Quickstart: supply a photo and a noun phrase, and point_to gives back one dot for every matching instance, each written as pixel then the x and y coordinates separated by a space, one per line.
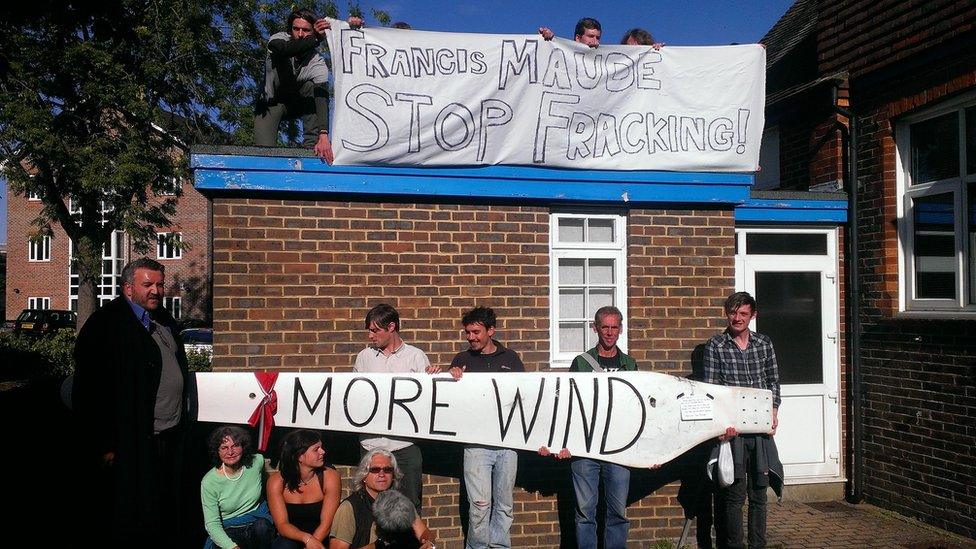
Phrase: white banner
pixel 409 97
pixel 636 419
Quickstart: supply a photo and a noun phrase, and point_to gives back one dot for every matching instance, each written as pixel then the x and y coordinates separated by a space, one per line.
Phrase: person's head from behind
pixel 403 25
pixel 230 446
pixel 637 37
pixel 377 472
pixel 382 325
pixel 740 309
pixel 394 515
pixel 588 31
pixel 300 449
pixel 479 327
pixel 143 282
pixel 301 23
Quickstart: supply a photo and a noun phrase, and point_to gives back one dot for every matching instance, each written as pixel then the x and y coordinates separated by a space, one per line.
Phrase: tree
pixel 101 101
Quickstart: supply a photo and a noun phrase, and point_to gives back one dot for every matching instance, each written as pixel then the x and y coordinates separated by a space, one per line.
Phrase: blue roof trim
pixel 792 211
pixel 236 173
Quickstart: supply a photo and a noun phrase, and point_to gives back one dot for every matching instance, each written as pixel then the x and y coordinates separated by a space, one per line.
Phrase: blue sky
pixel 688 23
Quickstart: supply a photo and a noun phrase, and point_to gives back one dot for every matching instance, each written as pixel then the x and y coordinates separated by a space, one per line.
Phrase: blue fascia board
pixel 792 211
pixel 236 173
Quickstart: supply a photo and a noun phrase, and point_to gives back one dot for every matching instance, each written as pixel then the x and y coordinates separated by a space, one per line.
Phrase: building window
pixel 38 302
pixel 174 305
pixel 34 196
pixel 113 259
pixel 937 211
pixel 168 246
pixel 170 186
pixel 588 266
pixel 39 248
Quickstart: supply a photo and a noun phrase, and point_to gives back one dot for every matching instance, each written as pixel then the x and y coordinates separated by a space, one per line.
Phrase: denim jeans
pixel 734 497
pixel 257 534
pixel 587 474
pixel 489 477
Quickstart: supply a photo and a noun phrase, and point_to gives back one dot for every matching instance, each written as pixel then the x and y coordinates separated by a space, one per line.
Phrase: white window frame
pixel 113 252
pixel 164 250
pixel 957 186
pixel 39 252
pixel 174 304
pixel 33 196
pixel 585 250
pixel 38 302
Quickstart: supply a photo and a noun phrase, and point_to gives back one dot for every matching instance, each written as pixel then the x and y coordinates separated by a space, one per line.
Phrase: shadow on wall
pixel 195 292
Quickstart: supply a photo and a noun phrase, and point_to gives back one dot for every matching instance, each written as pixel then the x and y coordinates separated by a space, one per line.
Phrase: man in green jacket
pixel 587 473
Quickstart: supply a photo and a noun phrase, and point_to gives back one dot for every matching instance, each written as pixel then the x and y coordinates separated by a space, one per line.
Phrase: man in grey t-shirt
pixel 387 353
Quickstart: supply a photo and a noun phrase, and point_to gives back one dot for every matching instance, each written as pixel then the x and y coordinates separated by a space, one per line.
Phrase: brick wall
pixel 294 279
pixel 188 277
pixel 919 375
pixel 864 35
pixel 26 278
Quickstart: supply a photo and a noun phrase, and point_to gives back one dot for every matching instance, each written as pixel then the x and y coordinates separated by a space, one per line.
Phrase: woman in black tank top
pixel 304 494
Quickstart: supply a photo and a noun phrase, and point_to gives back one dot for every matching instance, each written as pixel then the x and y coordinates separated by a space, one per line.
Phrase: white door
pixel 793 275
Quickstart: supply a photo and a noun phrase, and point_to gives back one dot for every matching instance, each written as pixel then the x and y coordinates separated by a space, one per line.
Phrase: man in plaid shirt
pixel 742 358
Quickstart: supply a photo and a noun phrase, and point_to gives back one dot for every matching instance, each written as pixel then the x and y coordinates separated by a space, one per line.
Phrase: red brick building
pixel 39 272
pixel 883 93
pixel 302 250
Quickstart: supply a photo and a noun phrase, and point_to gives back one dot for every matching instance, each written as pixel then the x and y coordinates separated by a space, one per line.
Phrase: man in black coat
pixel 130 395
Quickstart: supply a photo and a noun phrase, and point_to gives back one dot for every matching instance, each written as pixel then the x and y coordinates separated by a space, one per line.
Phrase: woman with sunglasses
pixel 304 494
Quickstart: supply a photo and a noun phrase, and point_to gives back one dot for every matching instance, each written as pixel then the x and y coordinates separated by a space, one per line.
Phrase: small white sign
pixel 696 408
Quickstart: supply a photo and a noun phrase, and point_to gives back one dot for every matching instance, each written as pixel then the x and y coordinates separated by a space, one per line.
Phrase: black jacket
pixel 117 372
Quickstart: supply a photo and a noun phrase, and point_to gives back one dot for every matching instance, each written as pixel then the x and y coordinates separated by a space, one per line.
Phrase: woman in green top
pixel 234 511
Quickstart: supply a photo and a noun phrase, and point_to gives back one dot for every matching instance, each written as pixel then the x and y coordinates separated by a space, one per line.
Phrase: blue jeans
pixel 489 477
pixel 587 474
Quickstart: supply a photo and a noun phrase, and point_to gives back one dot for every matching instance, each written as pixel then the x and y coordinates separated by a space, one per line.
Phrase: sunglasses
pixel 378 470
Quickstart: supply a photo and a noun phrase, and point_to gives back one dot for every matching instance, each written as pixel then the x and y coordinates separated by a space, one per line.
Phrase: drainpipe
pixel 853 301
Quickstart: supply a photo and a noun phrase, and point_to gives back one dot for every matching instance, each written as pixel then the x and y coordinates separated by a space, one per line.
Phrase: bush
pixel 199 361
pixel 38 357
pixel 52 356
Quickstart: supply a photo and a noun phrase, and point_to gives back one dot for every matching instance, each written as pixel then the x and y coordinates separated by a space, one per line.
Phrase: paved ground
pixel 838 524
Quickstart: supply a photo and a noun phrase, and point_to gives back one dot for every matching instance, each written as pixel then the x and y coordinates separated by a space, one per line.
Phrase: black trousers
pixel 734 497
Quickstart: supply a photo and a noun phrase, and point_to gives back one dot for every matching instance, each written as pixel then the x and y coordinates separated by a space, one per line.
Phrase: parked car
pixel 44 321
pixel 198 339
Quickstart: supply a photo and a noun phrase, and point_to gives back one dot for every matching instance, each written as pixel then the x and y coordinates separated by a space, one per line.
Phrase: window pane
pixel 935 148
pixel 570 230
pixel 571 336
pixel 571 303
pixel 935 247
pixel 971 140
pixel 791 318
pixel 599 297
pixel 972 241
pixel 570 271
pixel 786 244
pixel 601 271
pixel 600 230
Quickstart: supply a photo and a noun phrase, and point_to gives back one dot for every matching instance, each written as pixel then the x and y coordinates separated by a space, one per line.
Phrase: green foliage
pixel 199 361
pixel 27 356
pixel 100 101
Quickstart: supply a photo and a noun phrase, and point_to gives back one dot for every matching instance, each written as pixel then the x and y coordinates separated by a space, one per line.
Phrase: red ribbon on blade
pixel 264 413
